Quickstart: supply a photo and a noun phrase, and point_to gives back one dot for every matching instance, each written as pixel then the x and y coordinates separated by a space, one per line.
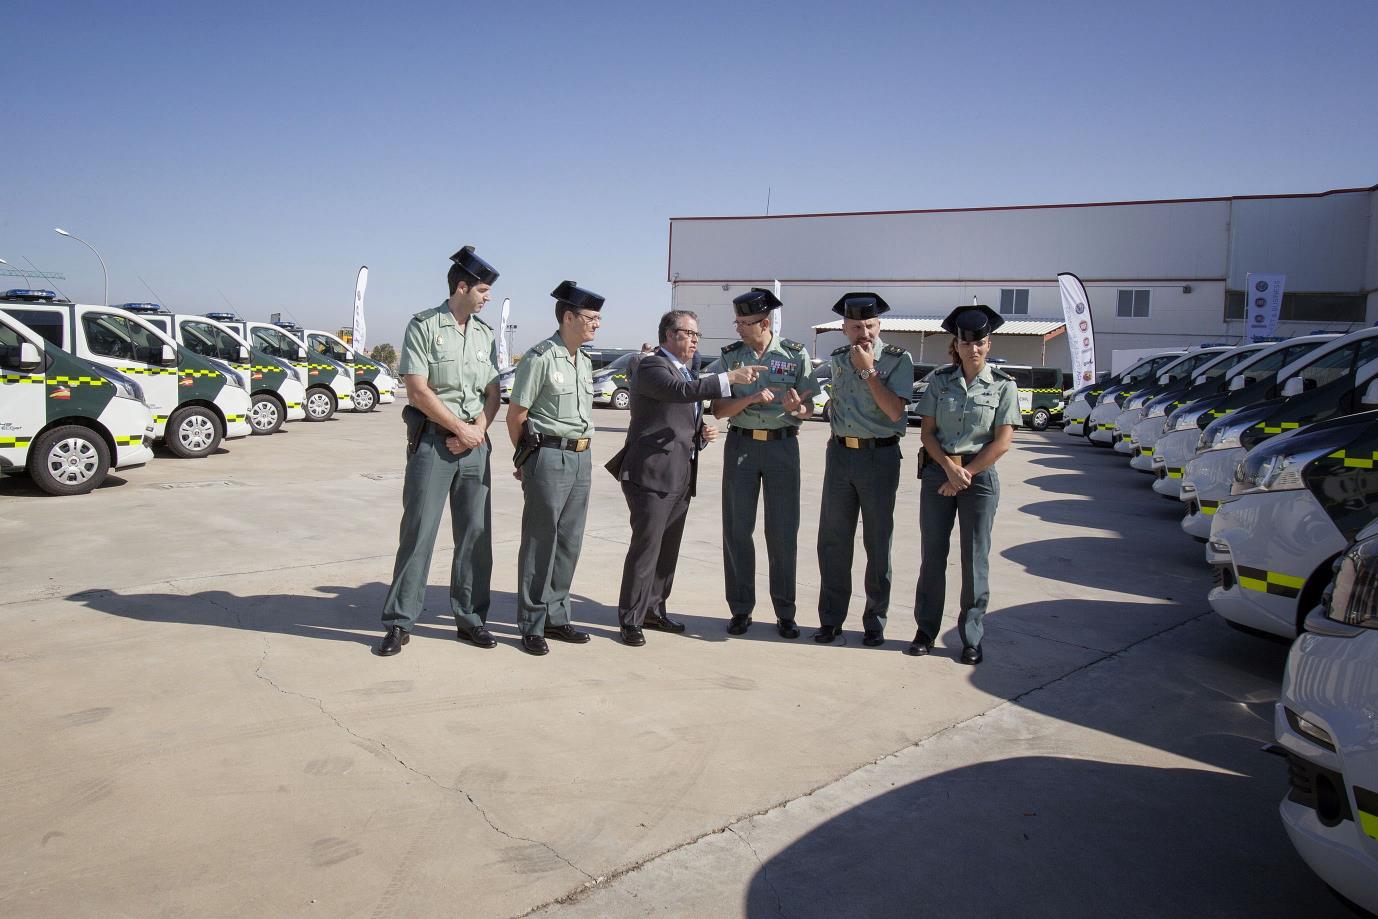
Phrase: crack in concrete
pixel 378 744
pixel 606 880
pixel 765 871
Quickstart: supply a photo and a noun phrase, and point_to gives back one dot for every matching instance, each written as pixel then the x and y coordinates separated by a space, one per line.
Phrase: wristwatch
pixel 866 374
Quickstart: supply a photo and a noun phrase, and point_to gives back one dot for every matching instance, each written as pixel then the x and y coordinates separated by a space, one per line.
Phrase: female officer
pixel 969 412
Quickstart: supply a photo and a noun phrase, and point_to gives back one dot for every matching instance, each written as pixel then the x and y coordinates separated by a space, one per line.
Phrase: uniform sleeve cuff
pixel 725 386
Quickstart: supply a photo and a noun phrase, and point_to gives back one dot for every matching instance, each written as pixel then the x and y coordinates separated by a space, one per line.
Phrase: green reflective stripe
pixel 17 378
pixel 1269 582
pixel 1357 461
pixel 15 441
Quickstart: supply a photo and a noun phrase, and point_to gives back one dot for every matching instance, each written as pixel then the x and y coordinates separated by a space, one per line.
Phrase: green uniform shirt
pixel 968 415
pixel 458 364
pixel 787 367
pixel 851 406
pixel 556 388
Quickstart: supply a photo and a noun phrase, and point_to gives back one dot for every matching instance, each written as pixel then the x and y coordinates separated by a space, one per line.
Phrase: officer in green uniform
pixel 762 450
pixel 969 412
pixel 449 364
pixel 550 421
pixel 871 384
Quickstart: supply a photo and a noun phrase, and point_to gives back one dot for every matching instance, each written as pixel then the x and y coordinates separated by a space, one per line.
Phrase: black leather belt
pixel 431 426
pixel 862 443
pixel 762 434
pixel 577 444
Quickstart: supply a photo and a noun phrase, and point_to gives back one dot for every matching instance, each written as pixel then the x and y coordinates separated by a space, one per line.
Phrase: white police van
pixel 196 401
pixel 1298 500
pixel 328 385
pixel 1205 381
pixel 373 385
pixel 65 421
pixel 1209 475
pixel 1172 375
pixel 1323 722
pixel 1182 431
pixel 276 395
pixel 1082 402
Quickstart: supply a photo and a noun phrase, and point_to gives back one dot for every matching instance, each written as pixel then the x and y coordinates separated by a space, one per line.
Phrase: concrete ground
pixel 196 725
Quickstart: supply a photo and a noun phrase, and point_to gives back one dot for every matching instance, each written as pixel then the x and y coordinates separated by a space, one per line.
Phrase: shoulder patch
pixel 732 347
pixel 946 368
pixel 1000 374
pixel 790 344
pixel 842 350
pixel 895 350
pixel 423 315
pixel 541 347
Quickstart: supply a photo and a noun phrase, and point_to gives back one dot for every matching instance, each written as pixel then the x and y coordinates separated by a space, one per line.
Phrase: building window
pixel 1305 307
pixel 1014 301
pixel 1133 304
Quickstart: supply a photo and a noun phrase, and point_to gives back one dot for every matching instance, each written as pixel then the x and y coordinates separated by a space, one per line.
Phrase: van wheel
pixel 622 400
pixel 192 432
pixel 69 460
pixel 320 404
pixel 265 415
pixel 365 399
pixel 1041 419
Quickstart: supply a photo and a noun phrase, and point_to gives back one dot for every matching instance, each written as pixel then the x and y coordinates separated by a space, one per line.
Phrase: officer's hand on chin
pixel 863 357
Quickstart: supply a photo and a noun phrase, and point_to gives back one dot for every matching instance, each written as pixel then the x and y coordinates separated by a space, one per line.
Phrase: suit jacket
pixel 662 444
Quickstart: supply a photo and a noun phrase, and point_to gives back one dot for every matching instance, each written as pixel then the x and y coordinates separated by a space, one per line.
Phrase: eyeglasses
pixel 690 332
pixel 747 323
pixel 590 318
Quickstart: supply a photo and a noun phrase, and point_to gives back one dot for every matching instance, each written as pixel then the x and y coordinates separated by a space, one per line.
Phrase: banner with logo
pixel 1262 304
pixel 504 358
pixel 360 329
pixel 1081 335
pixel 777 318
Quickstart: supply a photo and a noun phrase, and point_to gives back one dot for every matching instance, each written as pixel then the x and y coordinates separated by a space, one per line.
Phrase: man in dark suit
pixel 658 467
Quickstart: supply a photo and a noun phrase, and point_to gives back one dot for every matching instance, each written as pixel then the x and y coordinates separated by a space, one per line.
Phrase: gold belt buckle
pixel 581 445
pixel 760 434
pixel 852 442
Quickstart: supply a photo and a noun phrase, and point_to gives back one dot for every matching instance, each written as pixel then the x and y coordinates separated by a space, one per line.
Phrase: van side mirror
pixel 1238 383
pixel 1293 387
pixel 349 356
pixel 1371 394
pixel 243 355
pixel 169 356
pixel 301 354
pixel 29 358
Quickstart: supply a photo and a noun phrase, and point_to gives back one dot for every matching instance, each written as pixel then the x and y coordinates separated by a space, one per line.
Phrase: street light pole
pixel 103 271
pixel 18 269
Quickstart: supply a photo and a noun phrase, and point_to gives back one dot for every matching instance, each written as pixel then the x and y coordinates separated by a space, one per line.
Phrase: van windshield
pixel 121 338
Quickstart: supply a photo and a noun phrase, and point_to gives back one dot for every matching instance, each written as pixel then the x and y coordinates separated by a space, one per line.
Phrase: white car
pixel 1324 722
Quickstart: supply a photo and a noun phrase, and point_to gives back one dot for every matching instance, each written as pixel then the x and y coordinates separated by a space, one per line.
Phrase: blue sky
pixel 265 151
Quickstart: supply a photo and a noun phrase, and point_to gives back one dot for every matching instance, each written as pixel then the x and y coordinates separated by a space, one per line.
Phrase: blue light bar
pixel 22 294
pixel 141 307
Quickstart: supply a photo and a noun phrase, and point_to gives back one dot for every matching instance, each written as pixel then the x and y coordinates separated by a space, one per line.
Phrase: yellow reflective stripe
pixel 234 418
pixel 78 381
pixel 149 371
pixel 15 441
pixel 1369 823
pixel 1174 473
pixel 18 378
pixel 130 441
pixel 1355 462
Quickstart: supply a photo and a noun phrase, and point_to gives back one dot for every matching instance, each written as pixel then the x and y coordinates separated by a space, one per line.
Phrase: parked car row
pixel 1272 451
pixel 84 389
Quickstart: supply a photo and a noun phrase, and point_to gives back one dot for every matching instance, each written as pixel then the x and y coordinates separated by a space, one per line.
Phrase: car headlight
pixel 1157 410
pixel 1269 470
pixel 125 387
pixel 1223 436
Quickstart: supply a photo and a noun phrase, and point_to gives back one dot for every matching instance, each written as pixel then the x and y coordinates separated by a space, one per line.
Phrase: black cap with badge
pixel 470 269
pixel 972 323
pixel 860 305
pixel 570 293
pixel 755 302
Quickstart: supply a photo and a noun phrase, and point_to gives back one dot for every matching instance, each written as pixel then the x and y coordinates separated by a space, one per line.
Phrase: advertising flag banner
pixel 504 358
pixel 1081 335
pixel 1263 304
pixel 360 329
pixel 778 314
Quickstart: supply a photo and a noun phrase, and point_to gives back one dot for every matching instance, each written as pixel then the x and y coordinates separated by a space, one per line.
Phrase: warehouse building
pixel 1159 273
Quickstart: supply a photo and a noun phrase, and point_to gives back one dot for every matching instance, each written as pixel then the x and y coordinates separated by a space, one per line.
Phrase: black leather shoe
pixel 479 638
pixel 535 644
pixel 631 635
pixel 920 646
pixel 662 624
pixel 566 633
pixel 787 628
pixel 828 634
pixel 393 641
pixel 739 625
pixel 874 638
pixel 972 656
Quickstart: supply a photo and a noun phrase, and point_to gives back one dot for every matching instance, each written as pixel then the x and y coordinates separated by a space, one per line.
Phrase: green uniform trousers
pixel 974 508
pixel 433 475
pixel 748 465
pixel 556 485
pixel 857 481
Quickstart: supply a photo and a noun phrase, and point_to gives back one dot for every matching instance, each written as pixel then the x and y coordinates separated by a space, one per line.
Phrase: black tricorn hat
pixel 570 292
pixel 755 302
pixel 475 269
pixel 860 305
pixel 973 322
